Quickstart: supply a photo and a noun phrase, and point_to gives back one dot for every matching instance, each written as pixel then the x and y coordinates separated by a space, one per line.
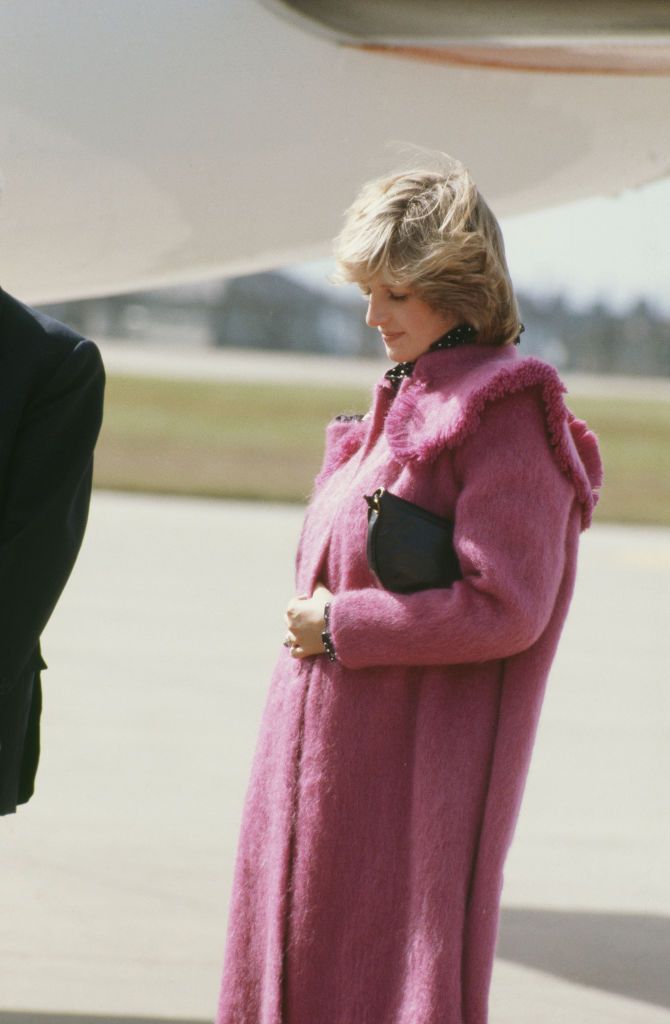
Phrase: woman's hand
pixel 304 618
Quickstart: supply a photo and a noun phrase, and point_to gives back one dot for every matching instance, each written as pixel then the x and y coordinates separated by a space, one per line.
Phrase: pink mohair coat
pixel 386 785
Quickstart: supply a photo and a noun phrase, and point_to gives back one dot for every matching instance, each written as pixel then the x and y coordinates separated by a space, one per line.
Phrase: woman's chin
pixel 394 352
pixel 403 353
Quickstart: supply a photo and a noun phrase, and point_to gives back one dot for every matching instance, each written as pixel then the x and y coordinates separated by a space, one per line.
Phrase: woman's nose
pixel 376 313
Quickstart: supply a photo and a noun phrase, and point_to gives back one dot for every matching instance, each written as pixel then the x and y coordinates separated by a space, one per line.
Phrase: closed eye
pixel 393 295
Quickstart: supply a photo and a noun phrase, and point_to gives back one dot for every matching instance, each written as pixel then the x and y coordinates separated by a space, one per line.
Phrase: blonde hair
pixel 432 231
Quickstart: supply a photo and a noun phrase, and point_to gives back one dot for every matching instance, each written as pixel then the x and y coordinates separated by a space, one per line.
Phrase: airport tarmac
pixel 115 877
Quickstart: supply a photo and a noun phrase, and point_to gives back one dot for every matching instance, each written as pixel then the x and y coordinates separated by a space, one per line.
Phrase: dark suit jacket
pixel 51 394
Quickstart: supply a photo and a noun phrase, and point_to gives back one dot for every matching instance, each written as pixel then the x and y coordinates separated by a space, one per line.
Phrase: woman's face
pixel 407 324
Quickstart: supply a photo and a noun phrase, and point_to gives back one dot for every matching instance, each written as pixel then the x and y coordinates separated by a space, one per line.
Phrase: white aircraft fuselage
pixel 147 144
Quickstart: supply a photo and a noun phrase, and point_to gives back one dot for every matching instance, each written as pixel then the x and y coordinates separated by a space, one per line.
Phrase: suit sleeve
pixel 511 521
pixel 46 499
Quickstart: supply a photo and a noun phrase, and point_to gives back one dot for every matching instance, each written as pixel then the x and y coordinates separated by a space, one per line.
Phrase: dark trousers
pixel 19 741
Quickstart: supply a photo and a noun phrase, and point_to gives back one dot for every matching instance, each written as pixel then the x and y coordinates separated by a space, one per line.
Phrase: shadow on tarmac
pixel 626 954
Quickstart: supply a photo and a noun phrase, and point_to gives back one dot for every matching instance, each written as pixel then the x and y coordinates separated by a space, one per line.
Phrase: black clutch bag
pixel 409 548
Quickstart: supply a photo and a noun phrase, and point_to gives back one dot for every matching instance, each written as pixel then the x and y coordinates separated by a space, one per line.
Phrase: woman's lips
pixel 391 337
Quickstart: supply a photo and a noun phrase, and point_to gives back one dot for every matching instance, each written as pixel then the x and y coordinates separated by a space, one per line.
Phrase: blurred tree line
pixel 274 310
pixel 595 339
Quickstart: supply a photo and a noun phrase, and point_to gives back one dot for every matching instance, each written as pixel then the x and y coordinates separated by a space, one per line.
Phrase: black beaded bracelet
pixel 326 638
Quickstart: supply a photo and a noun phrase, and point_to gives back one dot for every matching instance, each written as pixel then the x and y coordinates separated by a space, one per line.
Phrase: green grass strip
pixel 265 441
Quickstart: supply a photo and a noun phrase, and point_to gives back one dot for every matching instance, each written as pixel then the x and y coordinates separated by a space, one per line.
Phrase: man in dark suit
pixel 51 393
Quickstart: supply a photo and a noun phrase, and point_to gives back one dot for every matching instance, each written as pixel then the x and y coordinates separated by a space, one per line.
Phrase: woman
pixel 399 727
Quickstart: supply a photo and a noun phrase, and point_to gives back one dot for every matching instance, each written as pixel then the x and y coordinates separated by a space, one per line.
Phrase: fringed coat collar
pixel 441 404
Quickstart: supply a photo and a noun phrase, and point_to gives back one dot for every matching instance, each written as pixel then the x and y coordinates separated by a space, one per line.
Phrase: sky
pixel 614 250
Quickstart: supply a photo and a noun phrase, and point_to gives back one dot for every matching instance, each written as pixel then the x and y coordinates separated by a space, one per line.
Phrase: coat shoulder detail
pixel 344 436
pixel 440 409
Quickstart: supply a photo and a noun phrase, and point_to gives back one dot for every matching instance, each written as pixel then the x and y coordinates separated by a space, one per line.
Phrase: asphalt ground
pixel 115 877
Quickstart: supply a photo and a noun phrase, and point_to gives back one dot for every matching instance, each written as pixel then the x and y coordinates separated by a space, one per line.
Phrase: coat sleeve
pixel 45 502
pixel 511 520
